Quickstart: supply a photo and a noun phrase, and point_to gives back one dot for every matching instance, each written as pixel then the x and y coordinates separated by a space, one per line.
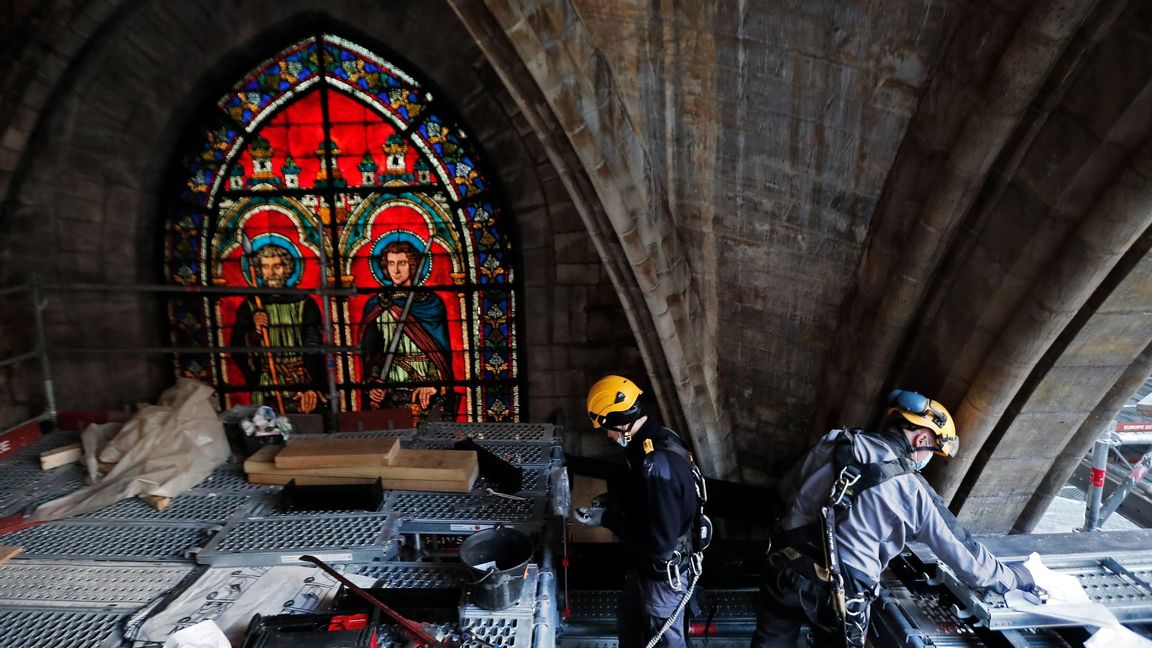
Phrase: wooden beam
pixel 329 453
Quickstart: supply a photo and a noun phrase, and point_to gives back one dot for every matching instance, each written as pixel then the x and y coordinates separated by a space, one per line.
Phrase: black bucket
pixel 498 560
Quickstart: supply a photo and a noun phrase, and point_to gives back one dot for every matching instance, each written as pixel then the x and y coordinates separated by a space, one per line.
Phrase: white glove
pixel 589 516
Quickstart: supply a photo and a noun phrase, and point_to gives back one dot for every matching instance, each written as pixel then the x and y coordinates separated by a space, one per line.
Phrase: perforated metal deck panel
pixel 60 629
pixel 465 512
pixel 90 539
pixel 532 480
pixel 413 574
pixel 193 507
pixel 605 641
pixel 1123 586
pixel 125 585
pixel 517 454
pixel 228 477
pixel 440 431
pixel 282 540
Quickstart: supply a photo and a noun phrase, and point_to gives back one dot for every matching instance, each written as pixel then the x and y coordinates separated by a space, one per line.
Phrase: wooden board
pixel 329 453
pixel 67 454
pixel 435 470
pixel 8 552
pixel 438 486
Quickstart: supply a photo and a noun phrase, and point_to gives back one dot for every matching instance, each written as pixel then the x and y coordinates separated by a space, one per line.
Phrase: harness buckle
pixel 672 572
pixel 846 480
pixel 696 562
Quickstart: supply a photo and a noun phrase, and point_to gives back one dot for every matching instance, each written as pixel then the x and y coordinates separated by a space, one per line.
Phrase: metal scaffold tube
pixel 1096 483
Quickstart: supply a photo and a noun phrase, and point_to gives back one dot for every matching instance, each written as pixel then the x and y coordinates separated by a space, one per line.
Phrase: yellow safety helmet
pixel 924 412
pixel 613 401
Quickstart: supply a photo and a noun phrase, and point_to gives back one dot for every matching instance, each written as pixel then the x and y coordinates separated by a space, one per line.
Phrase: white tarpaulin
pixel 164 450
pixel 1069 602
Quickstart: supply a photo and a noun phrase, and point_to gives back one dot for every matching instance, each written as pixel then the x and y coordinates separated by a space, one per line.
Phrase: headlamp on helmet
pixel 924 412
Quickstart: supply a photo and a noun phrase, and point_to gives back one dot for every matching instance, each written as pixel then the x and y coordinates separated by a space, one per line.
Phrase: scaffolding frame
pixel 42 351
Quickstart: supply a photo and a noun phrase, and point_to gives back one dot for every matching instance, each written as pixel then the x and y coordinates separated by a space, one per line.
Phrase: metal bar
pixel 12 289
pixel 19 358
pixel 197 290
pixel 1135 476
pixel 204 349
pixel 42 346
pixel 1120 570
pixel 1096 484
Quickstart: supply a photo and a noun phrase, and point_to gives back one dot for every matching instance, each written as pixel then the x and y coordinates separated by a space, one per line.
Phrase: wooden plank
pixel 157 502
pixel 430 465
pixel 65 454
pixel 328 453
pixel 8 552
pixel 439 486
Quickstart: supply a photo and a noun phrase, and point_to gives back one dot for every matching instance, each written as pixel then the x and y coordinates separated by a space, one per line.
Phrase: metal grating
pixel 488 431
pixel 461 512
pixel 397 574
pixel 403 433
pixel 593 604
pixel 24 582
pixel 65 478
pixel 282 540
pixel 731 604
pixel 56 629
pixel 19 475
pixel 120 541
pixel 227 477
pixel 571 641
pixel 12 500
pixel 1125 589
pixel 504 632
pixel 186 507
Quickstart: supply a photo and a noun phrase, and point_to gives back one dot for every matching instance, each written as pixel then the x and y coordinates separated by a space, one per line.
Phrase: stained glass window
pixel 341 241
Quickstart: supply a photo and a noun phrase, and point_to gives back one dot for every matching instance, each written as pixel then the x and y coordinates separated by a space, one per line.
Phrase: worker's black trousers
pixel 788 599
pixel 645 604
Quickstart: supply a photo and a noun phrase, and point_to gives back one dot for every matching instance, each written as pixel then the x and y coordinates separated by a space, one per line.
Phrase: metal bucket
pixel 498 560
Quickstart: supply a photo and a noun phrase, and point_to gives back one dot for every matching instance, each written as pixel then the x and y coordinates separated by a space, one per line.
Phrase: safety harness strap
pixel 853 478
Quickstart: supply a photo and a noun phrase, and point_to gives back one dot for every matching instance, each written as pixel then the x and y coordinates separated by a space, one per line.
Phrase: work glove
pixel 1024 580
pixel 604 501
pixel 591 517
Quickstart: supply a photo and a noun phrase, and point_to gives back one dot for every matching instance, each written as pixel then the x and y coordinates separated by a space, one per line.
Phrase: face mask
pixel 919 465
pixel 622 441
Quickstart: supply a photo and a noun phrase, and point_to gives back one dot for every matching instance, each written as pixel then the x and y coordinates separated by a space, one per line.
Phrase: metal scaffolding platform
pixel 80 580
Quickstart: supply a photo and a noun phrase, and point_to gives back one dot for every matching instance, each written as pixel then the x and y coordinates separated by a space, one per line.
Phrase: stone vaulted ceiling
pixel 790 207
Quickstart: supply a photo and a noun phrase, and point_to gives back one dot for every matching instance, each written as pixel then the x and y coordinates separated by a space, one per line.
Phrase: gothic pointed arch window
pixel 343 246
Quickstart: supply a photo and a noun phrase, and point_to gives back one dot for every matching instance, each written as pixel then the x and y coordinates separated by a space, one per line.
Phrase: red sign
pixel 20 438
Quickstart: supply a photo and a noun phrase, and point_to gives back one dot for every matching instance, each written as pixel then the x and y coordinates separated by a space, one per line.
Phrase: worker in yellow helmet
pixel 851 504
pixel 658 515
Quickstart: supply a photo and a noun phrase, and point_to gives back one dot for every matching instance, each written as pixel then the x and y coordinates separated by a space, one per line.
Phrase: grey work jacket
pixel 882 519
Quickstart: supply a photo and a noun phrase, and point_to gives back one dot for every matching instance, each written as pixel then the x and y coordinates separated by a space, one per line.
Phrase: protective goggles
pixel 913 403
pixel 614 419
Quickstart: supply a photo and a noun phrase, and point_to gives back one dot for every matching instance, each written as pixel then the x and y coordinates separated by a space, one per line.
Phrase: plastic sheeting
pixel 163 450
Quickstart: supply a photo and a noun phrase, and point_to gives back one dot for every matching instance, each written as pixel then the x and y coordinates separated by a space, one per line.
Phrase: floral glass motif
pixel 333 175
